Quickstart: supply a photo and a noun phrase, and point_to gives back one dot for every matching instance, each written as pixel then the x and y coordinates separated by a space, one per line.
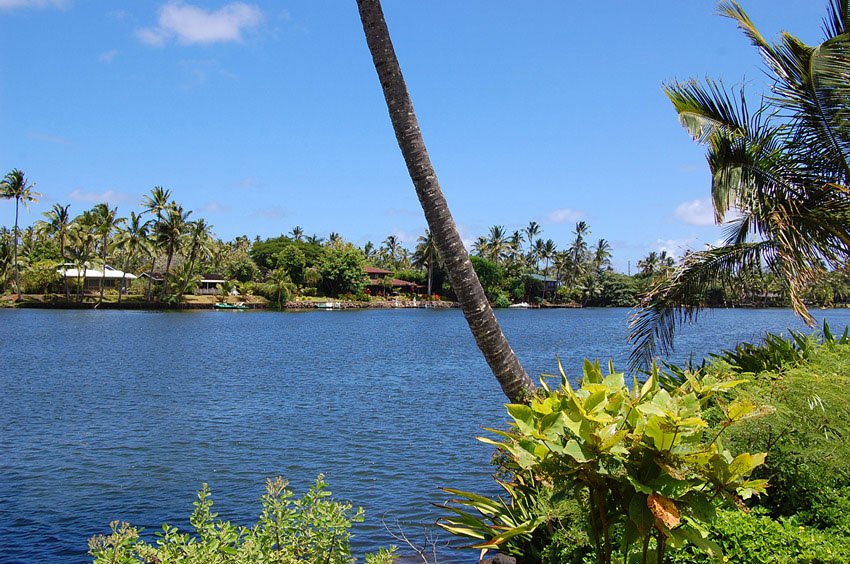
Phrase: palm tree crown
pixel 783 167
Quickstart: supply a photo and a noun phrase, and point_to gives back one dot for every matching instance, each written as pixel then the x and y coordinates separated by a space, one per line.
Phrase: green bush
pixel 312 529
pixel 806 439
pixel 756 538
pixel 643 464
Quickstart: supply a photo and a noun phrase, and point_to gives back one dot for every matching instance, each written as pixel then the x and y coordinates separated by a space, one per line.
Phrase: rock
pixel 500 559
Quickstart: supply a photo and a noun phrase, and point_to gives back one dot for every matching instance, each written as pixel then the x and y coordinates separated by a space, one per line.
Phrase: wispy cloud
pixel 696 212
pixel 110 196
pixel 215 207
pixel 275 212
pixel 47 138
pixel 12 4
pixel 674 247
pixel 189 24
pixel 107 56
pixel 563 215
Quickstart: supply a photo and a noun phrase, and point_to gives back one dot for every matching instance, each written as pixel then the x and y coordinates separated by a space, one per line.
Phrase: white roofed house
pixel 91 276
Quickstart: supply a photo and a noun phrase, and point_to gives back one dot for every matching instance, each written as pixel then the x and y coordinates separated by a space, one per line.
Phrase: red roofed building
pixel 377 286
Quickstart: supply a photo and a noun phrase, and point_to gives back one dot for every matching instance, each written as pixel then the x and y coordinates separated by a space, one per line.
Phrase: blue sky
pixel 260 116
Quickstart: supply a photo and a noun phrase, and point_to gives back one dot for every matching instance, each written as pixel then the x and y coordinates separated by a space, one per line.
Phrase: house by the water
pixel 381 283
pixel 91 277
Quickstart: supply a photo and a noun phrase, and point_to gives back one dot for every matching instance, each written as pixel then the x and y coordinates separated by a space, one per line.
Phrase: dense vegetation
pixel 176 251
pixel 609 473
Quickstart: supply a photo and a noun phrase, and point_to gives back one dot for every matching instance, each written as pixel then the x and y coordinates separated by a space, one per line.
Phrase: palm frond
pixel 837 21
pixel 680 297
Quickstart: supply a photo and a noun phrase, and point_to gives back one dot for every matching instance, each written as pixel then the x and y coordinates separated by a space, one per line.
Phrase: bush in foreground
pixel 312 529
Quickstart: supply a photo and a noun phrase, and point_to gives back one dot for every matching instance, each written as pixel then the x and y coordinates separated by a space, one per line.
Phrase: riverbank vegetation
pixel 741 460
pixel 171 255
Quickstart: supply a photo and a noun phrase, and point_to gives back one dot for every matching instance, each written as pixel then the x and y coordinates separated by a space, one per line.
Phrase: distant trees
pixel 15 186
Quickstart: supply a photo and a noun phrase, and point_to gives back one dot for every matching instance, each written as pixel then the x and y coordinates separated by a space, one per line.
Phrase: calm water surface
pixel 110 415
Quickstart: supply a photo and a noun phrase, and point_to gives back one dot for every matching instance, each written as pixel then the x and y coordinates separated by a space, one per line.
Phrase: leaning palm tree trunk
pixel 482 322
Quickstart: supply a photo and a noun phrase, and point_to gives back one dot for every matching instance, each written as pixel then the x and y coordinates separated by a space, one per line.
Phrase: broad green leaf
pixel 523 416
pixel 574 451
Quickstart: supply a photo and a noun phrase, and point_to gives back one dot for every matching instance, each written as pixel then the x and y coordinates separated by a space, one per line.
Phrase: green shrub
pixel 642 463
pixel 312 529
pixel 755 538
pixel 806 438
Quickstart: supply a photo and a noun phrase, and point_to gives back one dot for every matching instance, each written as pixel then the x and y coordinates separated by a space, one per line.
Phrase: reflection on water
pixel 110 415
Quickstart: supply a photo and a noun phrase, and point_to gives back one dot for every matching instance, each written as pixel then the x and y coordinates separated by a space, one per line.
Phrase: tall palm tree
pixel 601 255
pixel 170 232
pixel 58 224
pixel 547 254
pixel 106 220
pixel 297 232
pixel 425 254
pixel 132 239
pixel 482 322
pixel 15 186
pixel 531 232
pixel 156 203
pixel 784 167
pixel 83 241
pixel 200 239
pixel 497 243
pixel 390 251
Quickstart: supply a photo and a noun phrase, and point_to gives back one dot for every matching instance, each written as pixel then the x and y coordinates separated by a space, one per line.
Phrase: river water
pixel 109 415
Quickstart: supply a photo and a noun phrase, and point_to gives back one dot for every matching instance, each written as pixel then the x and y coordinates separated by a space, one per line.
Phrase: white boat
pixel 524 305
pixel 328 305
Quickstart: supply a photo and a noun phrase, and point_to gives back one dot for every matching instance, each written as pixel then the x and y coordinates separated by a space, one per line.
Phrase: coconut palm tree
pixel 280 284
pixel 482 322
pixel 390 251
pixel 170 233
pixel 58 224
pixel 425 254
pixel 156 203
pixel 497 243
pixel 200 239
pixel 297 232
pixel 105 222
pixel 83 242
pixel 547 253
pixel 531 232
pixel 132 239
pixel 783 167
pixel 14 186
pixel 601 255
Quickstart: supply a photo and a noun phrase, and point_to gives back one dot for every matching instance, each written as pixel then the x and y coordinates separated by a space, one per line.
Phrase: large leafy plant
pixel 644 461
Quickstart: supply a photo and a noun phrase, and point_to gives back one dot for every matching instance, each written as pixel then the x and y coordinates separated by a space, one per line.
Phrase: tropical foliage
pixel 780 176
pixel 646 463
pixel 312 529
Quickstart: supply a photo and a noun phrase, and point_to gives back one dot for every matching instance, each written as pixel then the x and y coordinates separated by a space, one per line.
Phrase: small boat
pixel 523 305
pixel 329 305
pixel 240 305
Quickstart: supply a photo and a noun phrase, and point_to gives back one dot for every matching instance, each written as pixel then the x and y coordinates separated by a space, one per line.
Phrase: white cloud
pixel 674 247
pixel 696 212
pixel 12 4
pixel 189 24
pixel 107 56
pixel 112 197
pixel 215 207
pixel 564 215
